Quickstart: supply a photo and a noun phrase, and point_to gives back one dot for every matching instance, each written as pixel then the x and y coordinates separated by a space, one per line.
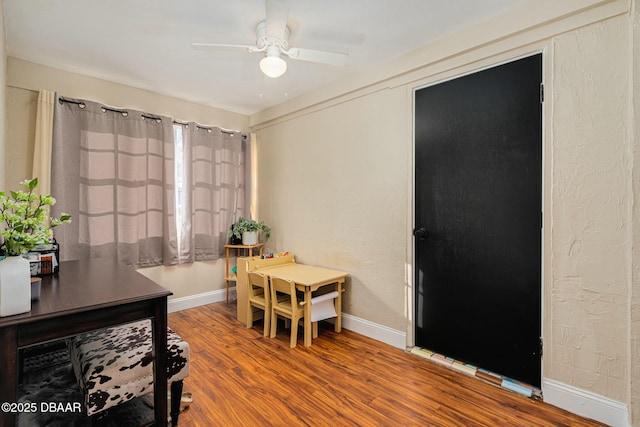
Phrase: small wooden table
pixel 309 278
pixel 86 295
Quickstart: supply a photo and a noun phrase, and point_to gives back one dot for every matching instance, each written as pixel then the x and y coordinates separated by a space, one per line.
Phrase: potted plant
pixel 247 230
pixel 25 223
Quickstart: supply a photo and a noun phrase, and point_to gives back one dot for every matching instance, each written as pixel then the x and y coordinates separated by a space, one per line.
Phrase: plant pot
pixel 233 240
pixel 249 237
pixel 15 286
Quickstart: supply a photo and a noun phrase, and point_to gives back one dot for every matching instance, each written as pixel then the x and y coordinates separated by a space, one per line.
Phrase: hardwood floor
pixel 240 378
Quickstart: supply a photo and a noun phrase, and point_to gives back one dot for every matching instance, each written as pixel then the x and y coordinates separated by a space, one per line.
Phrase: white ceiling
pixel 147 43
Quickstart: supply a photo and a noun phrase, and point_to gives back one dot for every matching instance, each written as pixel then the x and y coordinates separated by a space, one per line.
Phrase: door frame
pixel 451 74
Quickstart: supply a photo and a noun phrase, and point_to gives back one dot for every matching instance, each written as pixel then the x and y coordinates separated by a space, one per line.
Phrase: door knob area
pixel 421 233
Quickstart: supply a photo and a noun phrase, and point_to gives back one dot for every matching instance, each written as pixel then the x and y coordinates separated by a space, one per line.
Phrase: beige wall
pixel 335 181
pixel 27 75
pixel 22 106
pixel 191 279
pixel 588 311
pixel 25 79
pixel 333 187
pixel 634 287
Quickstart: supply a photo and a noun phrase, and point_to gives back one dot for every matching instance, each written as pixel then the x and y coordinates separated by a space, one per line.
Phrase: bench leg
pixel 101 419
pixel 176 398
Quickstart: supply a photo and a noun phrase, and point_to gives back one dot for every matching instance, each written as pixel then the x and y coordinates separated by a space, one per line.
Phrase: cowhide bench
pixel 114 365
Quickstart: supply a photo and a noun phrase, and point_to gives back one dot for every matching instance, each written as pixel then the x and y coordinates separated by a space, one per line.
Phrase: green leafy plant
pixel 24 219
pixel 247 225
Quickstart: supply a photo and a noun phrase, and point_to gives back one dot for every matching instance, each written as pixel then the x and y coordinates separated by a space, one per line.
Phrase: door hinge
pixel 541 93
pixel 540 352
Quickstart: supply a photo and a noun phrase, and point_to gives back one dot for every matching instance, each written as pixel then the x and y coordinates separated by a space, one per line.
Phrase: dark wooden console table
pixel 84 296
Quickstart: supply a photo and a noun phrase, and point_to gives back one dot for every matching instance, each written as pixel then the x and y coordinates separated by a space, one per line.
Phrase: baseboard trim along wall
pixel 375 331
pixel 369 329
pixel 192 301
pixel 572 399
pixel 585 403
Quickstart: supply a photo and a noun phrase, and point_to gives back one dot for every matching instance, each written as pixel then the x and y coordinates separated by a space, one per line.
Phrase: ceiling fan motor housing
pixel 265 41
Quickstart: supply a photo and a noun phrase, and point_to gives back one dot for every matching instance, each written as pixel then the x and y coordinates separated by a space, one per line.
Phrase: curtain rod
pixel 158 119
pixel 125 113
pixel 209 128
pixel 228 132
pixel 72 101
pixel 104 108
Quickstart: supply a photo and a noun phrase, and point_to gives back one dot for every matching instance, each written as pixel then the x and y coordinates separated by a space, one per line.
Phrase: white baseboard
pixel 192 301
pixel 585 403
pixel 369 329
pixel 375 331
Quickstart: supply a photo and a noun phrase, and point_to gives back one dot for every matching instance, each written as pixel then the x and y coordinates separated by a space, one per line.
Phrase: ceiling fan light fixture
pixel 273 66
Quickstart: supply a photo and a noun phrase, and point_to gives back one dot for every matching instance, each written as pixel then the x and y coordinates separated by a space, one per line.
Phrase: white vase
pixel 249 237
pixel 15 286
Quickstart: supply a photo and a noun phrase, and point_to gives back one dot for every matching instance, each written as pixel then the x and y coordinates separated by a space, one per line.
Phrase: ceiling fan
pixel 273 40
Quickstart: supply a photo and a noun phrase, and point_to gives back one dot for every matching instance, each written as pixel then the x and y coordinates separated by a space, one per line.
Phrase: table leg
pixel 8 372
pixel 338 324
pixel 307 317
pixel 159 338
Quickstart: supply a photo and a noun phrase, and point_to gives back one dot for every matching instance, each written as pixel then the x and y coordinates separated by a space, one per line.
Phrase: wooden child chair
pixel 284 302
pixel 259 297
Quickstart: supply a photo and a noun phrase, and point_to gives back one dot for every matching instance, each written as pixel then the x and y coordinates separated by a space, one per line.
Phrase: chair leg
pixel 294 333
pixel 265 320
pixel 315 329
pixel 274 323
pixel 176 397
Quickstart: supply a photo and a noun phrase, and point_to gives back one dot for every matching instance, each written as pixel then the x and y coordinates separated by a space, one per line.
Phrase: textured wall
pixel 333 188
pixel 635 288
pixel 588 298
pixel 21 134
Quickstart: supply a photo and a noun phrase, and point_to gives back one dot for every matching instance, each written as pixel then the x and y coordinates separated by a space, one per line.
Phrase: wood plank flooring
pixel 240 378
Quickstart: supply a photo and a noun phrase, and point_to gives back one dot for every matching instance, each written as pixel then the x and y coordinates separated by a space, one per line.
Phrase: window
pixel 210 188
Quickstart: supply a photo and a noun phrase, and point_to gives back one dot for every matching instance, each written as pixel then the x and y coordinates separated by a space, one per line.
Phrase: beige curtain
pixel 113 171
pixel 42 146
pixel 215 189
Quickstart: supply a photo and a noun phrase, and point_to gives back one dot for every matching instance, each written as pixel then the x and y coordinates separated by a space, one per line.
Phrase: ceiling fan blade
pixel 277 15
pixel 222 46
pixel 324 57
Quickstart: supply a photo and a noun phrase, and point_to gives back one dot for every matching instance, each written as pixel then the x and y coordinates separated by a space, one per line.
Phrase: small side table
pixel 238 249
